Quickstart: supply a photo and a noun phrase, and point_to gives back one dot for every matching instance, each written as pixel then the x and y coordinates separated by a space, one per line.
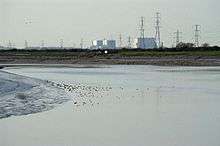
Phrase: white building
pixel 110 44
pixel 97 44
pixel 103 44
pixel 145 43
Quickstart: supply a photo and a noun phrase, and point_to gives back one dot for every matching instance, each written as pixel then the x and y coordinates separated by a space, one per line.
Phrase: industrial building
pixel 145 43
pixel 103 44
pixel 110 44
pixel 97 44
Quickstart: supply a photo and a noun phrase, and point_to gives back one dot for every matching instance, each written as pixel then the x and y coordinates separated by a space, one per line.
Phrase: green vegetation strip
pixel 165 53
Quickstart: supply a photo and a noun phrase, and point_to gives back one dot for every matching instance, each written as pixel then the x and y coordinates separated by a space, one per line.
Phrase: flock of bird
pixel 84 95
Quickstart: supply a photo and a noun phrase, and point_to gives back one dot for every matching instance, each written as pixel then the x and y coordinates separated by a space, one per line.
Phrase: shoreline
pixel 113 57
pixel 2 66
pixel 97 62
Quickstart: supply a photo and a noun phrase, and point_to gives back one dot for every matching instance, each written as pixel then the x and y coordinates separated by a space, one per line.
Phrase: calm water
pixel 144 105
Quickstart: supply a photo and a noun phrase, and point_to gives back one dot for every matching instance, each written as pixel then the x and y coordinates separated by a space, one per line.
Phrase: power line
pixel 81 43
pixel 14 45
pixel 61 43
pixel 42 44
pixel 9 44
pixel 197 34
pixel 157 27
pixel 120 41
pixel 142 31
pixel 177 36
pixel 129 42
pixel 26 44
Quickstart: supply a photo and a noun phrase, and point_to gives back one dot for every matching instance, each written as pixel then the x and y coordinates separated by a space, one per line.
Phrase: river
pixel 123 105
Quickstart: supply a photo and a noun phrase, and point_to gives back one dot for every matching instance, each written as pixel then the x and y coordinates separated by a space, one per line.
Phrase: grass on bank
pixel 168 53
pixel 78 53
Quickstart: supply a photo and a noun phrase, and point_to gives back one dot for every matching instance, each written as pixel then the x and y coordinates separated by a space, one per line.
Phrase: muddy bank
pixel 197 58
pixel 161 61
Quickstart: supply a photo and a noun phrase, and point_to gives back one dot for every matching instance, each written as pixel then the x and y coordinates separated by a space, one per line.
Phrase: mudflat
pixel 127 57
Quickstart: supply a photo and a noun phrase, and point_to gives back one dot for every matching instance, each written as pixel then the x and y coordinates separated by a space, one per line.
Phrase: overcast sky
pixel 71 20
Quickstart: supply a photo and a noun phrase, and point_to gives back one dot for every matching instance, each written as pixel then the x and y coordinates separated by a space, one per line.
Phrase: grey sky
pixel 71 20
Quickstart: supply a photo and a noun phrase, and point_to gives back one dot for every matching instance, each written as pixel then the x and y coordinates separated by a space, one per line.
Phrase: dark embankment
pixel 209 56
